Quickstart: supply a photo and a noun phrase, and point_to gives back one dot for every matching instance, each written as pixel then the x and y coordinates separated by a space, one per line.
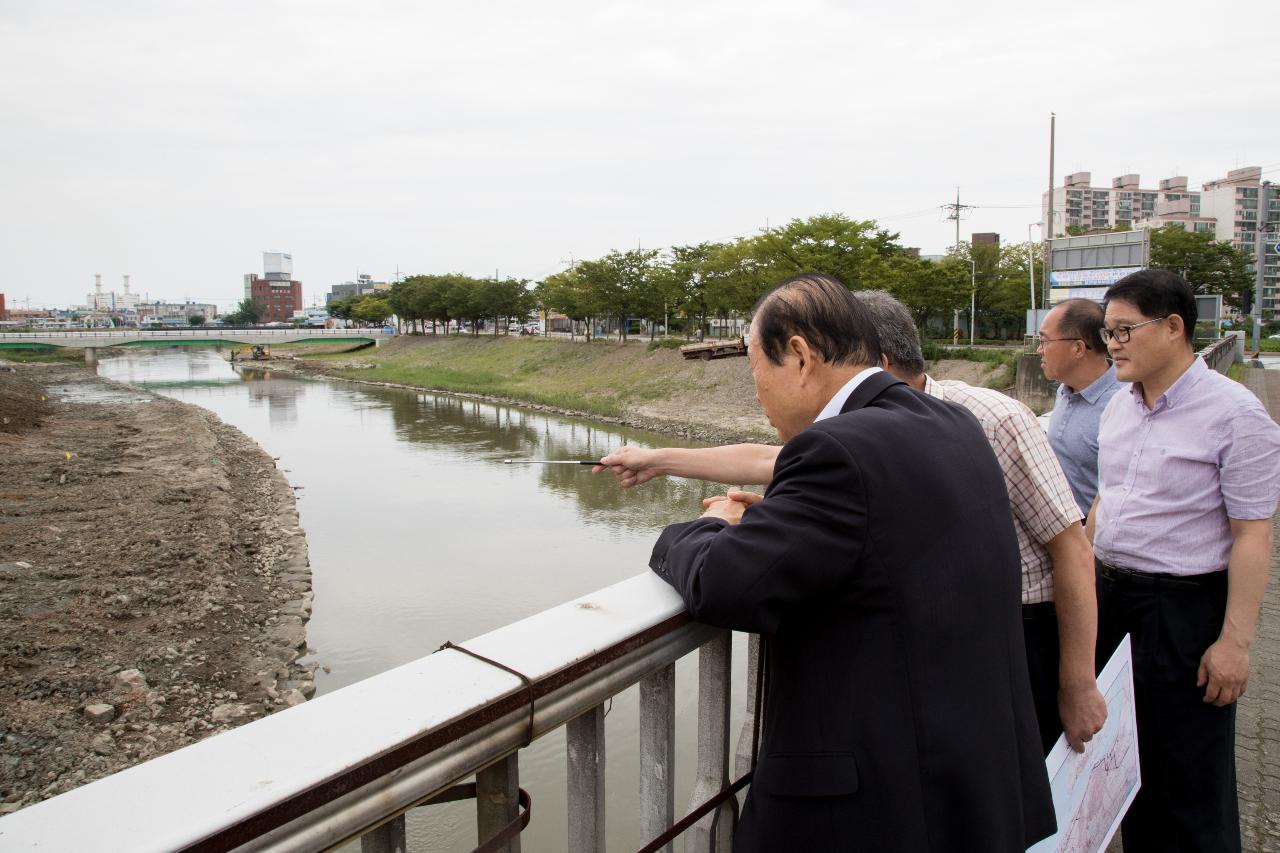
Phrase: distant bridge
pixel 90 340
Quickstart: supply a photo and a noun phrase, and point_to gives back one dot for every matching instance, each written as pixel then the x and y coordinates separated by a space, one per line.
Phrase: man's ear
pixel 799 348
pixel 1177 328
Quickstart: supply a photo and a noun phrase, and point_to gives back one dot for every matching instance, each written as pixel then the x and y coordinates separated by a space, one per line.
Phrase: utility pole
pixel 956 210
pixel 1260 260
pixel 1047 231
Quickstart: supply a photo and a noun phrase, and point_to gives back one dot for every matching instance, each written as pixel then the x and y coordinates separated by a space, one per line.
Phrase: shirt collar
pixel 836 403
pixel 1095 389
pixel 1178 391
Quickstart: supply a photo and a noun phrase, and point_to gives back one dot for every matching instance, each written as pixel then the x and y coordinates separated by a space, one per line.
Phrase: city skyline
pixel 175 145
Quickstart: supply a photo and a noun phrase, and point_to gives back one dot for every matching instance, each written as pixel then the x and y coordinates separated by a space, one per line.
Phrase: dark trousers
pixel 1186 747
pixel 1040 633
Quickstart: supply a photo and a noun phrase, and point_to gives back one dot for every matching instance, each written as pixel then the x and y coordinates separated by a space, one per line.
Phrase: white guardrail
pixel 107 337
pixel 349 764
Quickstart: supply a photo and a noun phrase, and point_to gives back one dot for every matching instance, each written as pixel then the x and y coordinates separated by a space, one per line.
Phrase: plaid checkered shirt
pixel 1039 494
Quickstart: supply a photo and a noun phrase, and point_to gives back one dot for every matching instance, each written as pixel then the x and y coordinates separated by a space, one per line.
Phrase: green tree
pixel 195 319
pixel 929 289
pixel 371 310
pixel 1209 265
pixel 855 251
pixel 248 312
pixel 568 293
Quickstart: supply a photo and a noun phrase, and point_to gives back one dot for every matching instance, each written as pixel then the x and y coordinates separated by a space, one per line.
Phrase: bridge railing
pixel 198 332
pixel 350 763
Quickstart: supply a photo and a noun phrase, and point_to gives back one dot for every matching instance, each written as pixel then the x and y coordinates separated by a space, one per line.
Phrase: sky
pixel 177 141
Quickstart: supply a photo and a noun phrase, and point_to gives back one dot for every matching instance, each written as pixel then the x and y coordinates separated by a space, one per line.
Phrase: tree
pixel 928 289
pixel 195 319
pixel 568 293
pixel 852 250
pixel 1209 265
pixel 371 310
pixel 247 313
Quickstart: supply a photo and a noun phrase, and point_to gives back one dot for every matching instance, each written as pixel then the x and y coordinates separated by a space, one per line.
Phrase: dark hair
pixel 820 309
pixel 1158 293
pixel 899 340
pixel 1083 319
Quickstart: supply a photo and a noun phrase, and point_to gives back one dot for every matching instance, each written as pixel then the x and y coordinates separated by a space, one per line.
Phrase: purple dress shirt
pixel 1170 477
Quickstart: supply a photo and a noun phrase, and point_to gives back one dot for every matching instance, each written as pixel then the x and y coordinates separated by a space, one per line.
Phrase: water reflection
pixel 418 533
pixel 495 433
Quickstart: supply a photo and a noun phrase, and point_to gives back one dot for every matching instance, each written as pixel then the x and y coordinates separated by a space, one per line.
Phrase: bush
pixel 665 343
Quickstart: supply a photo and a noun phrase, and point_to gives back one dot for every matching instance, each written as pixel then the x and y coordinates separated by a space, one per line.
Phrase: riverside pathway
pixel 1258 717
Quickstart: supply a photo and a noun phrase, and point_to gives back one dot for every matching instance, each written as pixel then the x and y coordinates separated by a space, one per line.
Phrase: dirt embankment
pixel 153 580
pixel 656 390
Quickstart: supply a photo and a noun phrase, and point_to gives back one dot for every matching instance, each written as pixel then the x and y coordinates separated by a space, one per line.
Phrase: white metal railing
pixel 350 763
pixel 209 332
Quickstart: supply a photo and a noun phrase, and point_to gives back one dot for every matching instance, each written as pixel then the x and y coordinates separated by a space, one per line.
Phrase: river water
pixel 419 533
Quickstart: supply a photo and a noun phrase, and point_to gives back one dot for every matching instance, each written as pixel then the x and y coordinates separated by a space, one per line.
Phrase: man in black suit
pixel 882 567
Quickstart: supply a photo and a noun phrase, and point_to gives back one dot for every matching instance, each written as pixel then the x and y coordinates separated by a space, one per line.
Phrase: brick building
pixel 4 315
pixel 277 292
pixel 279 299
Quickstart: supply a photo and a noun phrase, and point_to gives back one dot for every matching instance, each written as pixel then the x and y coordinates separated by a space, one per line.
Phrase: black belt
pixel 1121 576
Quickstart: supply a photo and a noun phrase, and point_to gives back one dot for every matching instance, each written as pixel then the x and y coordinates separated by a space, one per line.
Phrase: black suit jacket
pixel 882 565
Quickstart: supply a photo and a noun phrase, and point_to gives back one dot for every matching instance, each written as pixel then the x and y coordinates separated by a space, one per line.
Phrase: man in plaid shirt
pixel 1059 603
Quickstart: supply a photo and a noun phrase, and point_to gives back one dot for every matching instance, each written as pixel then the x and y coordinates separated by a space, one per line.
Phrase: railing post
pixel 497 799
pixel 742 758
pixel 657 754
pixel 584 746
pixel 388 838
pixel 714 693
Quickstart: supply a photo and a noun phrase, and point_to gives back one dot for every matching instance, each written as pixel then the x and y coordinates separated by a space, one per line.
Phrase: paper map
pixel 1092 790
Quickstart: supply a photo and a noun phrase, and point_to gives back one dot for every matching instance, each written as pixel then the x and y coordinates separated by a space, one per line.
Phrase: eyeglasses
pixel 1121 333
pixel 1044 340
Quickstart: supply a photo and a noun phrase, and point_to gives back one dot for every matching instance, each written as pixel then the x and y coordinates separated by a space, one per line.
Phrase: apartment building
pixel 1226 207
pixel 1233 203
pixel 1079 206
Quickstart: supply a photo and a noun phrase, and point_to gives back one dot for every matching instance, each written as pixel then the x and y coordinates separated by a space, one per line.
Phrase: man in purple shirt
pixel 1189 475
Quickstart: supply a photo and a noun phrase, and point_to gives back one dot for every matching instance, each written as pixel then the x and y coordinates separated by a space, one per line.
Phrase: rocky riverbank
pixel 154 583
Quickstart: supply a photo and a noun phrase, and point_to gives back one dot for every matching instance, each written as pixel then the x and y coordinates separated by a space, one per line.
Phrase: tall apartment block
pixel 1226 207
pixel 1080 204
pixel 1233 202
pixel 276 291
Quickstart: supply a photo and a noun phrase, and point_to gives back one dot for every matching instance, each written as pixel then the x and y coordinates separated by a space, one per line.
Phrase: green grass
pixel 50 355
pixel 591 379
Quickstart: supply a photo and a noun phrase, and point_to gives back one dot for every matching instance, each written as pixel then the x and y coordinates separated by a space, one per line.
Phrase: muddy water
pixel 419 533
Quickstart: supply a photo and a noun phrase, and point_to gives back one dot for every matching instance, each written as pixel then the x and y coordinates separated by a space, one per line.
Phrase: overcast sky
pixel 177 141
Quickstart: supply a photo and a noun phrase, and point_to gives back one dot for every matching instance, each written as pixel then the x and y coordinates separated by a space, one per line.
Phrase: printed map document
pixel 1092 790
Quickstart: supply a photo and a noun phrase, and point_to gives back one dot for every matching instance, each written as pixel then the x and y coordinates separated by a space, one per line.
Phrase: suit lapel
pixel 870 388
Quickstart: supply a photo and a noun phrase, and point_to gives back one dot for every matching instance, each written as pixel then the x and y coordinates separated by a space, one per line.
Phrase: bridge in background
pixel 91 340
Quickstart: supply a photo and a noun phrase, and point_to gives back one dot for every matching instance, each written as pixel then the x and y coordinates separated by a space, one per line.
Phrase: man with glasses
pixel 1188 478
pixel 1073 354
pixel 1059 608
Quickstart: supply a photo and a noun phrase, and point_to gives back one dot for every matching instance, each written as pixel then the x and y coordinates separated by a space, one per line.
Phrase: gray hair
pixel 899 340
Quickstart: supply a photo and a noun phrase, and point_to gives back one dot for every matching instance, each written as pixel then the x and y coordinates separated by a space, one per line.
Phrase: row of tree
pixel 689 285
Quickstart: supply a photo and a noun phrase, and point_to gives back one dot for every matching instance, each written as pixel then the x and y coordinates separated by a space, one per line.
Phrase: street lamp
pixel 1031 281
pixel 973 297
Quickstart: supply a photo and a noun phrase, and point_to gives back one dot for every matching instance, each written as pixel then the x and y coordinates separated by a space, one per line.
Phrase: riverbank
pixel 653 389
pixel 154 581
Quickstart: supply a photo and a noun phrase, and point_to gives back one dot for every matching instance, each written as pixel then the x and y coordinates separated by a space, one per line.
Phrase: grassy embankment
pixel 600 378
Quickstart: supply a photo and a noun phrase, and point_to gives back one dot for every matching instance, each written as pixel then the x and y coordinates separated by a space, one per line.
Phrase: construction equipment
pixel 257 352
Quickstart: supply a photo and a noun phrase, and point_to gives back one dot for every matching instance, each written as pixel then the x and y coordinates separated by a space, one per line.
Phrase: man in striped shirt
pixel 1058 596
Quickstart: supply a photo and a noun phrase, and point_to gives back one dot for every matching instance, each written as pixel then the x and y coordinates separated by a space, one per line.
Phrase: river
pixel 419 533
